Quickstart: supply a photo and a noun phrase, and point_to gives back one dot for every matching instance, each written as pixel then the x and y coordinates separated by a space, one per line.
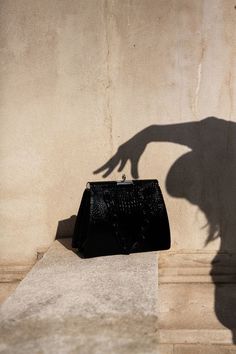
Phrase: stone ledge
pixel 189 306
pixel 99 305
pixel 196 336
pixel 197 297
pixel 13 273
pixel 178 278
pixel 203 349
pixel 197 267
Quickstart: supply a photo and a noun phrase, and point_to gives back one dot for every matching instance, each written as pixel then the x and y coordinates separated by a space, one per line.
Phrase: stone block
pixel 197 297
pixel 71 305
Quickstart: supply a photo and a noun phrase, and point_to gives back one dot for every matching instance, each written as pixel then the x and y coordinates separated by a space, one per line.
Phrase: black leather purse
pixel 121 218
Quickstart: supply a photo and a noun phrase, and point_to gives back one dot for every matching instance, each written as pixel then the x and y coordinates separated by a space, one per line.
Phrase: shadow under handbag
pixel 121 218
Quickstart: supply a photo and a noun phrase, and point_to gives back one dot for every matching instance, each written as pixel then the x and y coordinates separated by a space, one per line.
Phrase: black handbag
pixel 121 218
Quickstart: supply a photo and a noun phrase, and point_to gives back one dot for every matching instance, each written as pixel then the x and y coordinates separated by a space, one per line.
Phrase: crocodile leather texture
pixel 121 218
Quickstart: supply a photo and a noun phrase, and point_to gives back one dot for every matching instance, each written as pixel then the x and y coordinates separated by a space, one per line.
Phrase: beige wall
pixel 79 78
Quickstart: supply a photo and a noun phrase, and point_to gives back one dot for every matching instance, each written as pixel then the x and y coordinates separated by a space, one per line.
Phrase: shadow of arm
pixel 133 149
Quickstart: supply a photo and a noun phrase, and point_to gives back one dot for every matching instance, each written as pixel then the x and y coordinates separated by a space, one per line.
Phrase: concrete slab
pixel 71 305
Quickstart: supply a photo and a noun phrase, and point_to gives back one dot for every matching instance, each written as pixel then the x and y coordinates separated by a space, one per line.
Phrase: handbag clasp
pixel 124 181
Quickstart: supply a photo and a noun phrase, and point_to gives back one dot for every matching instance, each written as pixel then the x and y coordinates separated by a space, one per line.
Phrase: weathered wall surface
pixel 80 78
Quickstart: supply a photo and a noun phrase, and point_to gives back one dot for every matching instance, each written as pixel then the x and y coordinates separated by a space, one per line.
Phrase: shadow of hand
pixel 131 150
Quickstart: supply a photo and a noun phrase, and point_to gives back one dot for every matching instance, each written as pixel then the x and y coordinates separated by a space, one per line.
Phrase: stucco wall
pixel 80 78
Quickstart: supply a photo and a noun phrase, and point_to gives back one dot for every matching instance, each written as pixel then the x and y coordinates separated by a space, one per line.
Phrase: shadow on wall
pixel 205 176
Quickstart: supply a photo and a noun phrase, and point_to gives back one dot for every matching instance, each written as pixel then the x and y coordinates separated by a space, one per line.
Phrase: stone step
pixel 187 314
pixel 197 297
pixel 110 305
pixel 197 266
pixel 191 306
pixel 71 305
pixel 203 349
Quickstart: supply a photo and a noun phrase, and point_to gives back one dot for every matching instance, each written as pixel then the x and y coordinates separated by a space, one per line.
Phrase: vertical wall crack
pixel 108 110
pixel 230 86
pixel 198 84
pixel 230 90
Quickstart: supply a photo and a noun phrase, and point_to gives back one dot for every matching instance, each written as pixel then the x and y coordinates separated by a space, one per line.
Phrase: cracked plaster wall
pixel 79 78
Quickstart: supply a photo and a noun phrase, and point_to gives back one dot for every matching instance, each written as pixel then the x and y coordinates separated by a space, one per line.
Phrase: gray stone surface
pixel 72 305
